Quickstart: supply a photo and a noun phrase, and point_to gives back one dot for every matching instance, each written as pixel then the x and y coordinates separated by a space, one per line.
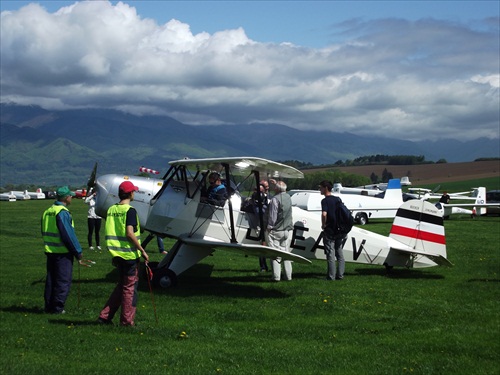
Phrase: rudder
pixel 419 224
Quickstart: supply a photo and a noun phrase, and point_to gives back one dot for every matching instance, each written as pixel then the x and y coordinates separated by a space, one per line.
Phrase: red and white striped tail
pixel 148 170
pixel 419 225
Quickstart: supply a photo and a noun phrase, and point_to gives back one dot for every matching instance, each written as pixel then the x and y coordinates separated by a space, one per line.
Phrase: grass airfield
pixel 227 318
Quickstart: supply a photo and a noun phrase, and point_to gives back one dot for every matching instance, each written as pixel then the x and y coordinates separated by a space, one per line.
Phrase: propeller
pixel 92 179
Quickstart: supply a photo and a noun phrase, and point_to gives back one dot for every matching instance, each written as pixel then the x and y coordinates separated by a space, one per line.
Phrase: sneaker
pixel 104 321
pixel 99 248
pixel 91 248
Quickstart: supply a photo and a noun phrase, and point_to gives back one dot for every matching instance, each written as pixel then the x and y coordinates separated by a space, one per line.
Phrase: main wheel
pixel 361 218
pixel 164 278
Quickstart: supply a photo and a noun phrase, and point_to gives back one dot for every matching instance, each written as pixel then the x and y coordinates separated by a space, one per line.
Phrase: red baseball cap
pixel 127 187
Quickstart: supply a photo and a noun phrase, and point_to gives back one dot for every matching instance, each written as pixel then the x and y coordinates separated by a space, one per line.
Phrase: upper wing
pixel 243 166
pixel 246 249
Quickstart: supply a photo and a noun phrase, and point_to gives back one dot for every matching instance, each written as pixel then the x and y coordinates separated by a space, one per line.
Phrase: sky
pixel 410 70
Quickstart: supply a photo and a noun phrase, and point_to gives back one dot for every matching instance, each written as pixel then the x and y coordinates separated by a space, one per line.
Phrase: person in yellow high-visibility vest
pixel 123 242
pixel 61 247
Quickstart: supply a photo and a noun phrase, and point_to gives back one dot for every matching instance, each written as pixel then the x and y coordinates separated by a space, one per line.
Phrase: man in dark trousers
pixel 332 240
pixel 61 246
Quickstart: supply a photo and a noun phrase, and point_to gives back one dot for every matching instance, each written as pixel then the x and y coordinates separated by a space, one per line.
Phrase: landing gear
pixel 164 278
pixel 388 269
pixel 361 218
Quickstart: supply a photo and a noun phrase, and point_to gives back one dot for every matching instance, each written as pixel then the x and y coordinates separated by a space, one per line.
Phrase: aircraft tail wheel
pixel 164 278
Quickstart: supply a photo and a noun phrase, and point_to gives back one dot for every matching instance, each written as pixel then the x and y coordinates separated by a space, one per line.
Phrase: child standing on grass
pixel 122 239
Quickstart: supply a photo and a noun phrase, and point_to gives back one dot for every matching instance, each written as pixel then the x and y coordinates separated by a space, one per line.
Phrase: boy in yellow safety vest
pixel 123 242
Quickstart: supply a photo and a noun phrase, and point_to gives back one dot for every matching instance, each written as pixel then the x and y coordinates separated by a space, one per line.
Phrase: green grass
pixel 429 321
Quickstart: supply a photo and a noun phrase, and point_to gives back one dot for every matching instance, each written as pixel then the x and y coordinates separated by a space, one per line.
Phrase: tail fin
pixel 405 181
pixel 393 191
pixel 480 194
pixel 419 225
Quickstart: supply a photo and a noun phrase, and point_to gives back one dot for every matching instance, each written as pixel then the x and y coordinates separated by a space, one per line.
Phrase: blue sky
pixel 307 23
pixel 406 69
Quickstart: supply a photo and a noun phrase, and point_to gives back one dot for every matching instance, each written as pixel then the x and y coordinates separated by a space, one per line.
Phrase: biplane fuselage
pixel 171 207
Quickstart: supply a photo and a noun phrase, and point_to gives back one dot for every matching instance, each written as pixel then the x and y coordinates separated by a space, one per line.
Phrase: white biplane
pixel 171 207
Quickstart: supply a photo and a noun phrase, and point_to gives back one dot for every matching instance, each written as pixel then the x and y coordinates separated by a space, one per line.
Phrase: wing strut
pixel 228 189
pixel 259 205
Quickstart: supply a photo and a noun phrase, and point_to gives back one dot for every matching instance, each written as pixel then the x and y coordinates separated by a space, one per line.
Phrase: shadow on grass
pixel 222 287
pixel 397 273
pixel 483 280
pixel 23 309
pixel 199 281
pixel 73 322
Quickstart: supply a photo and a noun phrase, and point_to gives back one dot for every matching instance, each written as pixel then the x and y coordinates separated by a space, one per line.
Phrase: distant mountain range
pixel 60 147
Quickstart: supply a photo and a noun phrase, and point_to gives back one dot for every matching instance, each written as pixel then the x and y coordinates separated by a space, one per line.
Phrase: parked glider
pixel 21 195
pixel 363 207
pixel 38 194
pixel 371 189
pixel 477 195
pixel 9 197
pixel 171 207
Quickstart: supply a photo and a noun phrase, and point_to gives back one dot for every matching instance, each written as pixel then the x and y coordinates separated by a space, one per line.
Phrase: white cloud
pixel 411 80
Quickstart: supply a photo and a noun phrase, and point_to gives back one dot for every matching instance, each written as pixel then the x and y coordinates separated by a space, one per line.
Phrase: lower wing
pixel 246 249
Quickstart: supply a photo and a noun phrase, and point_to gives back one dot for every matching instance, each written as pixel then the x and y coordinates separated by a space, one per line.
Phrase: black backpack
pixel 344 219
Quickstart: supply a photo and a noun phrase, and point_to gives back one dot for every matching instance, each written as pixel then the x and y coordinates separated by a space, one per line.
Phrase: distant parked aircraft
pixel 7 197
pixel 21 195
pixel 364 207
pixel 38 194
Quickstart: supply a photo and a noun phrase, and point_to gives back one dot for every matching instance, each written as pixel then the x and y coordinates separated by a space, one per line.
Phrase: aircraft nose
pixel 103 187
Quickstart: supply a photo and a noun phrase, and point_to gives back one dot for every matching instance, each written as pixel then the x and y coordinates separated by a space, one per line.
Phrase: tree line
pixel 369 160
pixel 311 180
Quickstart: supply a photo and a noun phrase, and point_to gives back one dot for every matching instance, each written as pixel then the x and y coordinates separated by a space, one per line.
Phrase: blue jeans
pixel 334 250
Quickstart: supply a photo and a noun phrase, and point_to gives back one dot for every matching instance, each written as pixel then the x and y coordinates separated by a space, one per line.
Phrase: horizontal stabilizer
pixel 245 249
pixel 438 259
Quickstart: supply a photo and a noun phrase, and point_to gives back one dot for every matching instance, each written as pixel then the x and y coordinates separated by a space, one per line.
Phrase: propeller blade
pixel 92 178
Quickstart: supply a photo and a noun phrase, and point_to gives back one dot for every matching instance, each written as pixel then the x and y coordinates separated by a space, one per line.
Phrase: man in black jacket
pixel 332 239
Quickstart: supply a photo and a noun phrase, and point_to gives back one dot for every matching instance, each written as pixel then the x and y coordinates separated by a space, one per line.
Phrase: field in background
pixel 431 173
